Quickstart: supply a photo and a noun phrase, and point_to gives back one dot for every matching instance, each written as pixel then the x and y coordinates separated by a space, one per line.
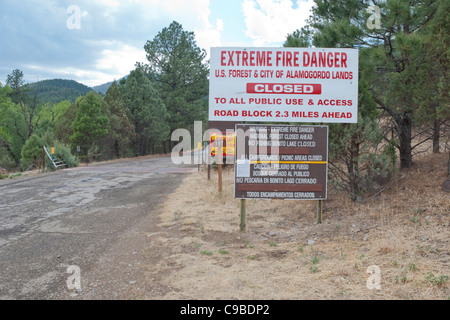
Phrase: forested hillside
pixel 56 90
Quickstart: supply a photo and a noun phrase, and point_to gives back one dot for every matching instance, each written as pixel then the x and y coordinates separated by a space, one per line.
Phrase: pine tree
pixel 90 123
pixel 343 23
pixel 148 112
pixel 122 133
pixel 354 163
pixel 178 67
pixel 32 151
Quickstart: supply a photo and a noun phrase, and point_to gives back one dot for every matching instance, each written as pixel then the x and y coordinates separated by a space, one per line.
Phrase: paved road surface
pixel 91 217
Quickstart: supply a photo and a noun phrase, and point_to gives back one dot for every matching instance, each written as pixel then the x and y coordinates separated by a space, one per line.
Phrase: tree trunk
pixel 448 165
pixel 116 149
pixel 403 127
pixel 436 135
pixel 405 151
pixel 404 130
pixel 142 146
pixel 353 168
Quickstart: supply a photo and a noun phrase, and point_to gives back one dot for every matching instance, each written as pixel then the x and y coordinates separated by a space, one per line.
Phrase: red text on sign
pixel 284 88
pixel 325 59
pixel 258 58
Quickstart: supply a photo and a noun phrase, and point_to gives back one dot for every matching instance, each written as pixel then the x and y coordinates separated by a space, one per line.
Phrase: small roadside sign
pixel 224 140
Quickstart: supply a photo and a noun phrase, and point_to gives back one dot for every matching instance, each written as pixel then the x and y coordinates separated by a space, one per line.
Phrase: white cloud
pixel 270 21
pixel 206 34
pixel 110 3
pixel 209 36
pixel 121 61
pixel 192 14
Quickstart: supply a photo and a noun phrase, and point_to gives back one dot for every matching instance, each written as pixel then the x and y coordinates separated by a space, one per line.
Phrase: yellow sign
pixel 53 150
pixel 224 140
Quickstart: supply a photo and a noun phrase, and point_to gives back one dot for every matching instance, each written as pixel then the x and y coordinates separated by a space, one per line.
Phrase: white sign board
pixel 283 84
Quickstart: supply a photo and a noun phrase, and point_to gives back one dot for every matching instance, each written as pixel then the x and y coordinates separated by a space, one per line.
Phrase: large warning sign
pixel 281 162
pixel 313 85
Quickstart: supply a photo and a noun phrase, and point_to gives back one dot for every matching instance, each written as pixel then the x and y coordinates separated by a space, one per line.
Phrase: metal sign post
pixel 243 224
pixel 199 148
pixel 319 211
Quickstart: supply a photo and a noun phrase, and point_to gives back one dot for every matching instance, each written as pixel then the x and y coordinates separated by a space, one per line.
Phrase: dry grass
pixel 404 231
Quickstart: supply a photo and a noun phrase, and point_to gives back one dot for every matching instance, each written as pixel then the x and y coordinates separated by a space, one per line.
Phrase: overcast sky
pixel 94 42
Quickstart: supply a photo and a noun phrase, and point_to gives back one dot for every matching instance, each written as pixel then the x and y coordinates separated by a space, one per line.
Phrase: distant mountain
pixel 57 90
pixel 104 87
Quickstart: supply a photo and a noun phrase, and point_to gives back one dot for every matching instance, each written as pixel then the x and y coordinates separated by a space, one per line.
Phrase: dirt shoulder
pixel 198 251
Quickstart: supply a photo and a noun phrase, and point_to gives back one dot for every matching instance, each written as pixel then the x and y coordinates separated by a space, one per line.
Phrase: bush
pixel 31 151
pixel 6 160
pixel 356 162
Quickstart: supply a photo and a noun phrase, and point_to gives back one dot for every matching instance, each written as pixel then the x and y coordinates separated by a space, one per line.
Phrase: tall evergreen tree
pixel 63 124
pixel 355 162
pixel 90 123
pixel 31 151
pixel 122 133
pixel 27 105
pixel 13 130
pixel 177 65
pixel 17 83
pixel 429 72
pixel 343 23
pixel 148 112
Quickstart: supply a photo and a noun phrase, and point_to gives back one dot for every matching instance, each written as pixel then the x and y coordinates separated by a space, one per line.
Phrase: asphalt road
pixel 92 218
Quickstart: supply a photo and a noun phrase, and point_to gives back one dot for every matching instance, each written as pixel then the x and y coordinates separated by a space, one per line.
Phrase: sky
pixel 94 42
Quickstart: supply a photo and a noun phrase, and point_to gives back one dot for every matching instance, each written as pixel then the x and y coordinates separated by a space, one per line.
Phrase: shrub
pixel 6 160
pixel 31 151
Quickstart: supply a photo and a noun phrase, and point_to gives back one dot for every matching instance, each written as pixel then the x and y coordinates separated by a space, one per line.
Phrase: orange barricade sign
pixel 223 140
